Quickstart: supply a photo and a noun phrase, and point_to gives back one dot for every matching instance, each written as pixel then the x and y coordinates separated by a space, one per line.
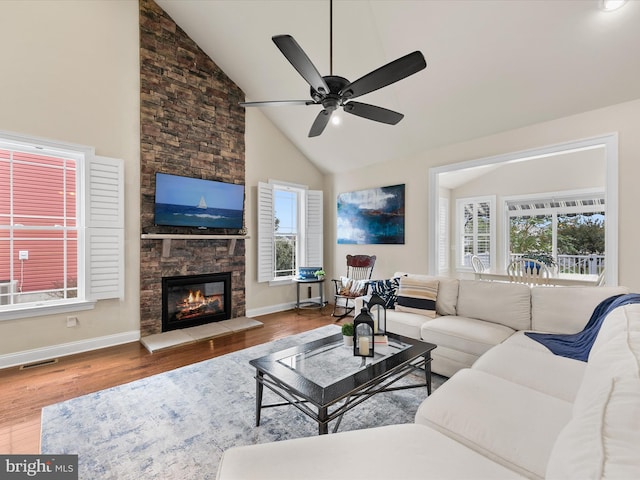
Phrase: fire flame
pixel 195 298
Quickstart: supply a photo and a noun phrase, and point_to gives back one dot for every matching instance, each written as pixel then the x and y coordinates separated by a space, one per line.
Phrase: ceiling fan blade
pixel 320 123
pixel 296 56
pixel 371 112
pixel 277 103
pixel 385 75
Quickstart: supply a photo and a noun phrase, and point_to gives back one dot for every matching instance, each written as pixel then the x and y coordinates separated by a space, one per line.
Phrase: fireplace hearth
pixel 192 300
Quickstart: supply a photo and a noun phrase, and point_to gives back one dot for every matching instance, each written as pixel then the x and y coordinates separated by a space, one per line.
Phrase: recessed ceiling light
pixel 611 5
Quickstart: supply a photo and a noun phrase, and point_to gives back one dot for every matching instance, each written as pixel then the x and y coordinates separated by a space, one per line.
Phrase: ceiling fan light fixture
pixel 611 5
pixel 336 120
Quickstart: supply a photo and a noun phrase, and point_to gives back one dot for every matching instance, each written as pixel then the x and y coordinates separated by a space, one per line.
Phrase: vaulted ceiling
pixel 492 65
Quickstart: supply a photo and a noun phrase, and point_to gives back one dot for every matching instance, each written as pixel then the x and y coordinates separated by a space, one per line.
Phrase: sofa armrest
pixel 360 301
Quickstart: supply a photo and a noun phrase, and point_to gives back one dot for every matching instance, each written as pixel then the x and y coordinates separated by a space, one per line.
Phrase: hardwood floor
pixel 25 391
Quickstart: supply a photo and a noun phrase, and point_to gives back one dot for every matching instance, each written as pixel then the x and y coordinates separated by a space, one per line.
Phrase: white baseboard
pixel 256 312
pixel 55 351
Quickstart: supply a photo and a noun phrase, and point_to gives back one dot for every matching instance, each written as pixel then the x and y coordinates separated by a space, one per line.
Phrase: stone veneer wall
pixel 191 125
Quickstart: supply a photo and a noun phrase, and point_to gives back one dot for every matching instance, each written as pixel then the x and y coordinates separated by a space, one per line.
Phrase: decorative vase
pixel 348 340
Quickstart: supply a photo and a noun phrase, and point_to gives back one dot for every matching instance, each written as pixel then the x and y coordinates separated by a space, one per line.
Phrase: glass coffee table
pixel 324 380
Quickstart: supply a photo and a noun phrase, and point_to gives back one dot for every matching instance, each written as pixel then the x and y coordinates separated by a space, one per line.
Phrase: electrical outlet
pixel 72 321
pixel 23 255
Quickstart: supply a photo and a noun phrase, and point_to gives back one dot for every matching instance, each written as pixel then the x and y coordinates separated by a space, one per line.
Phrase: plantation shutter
pixel 104 228
pixel 443 235
pixel 266 236
pixel 314 229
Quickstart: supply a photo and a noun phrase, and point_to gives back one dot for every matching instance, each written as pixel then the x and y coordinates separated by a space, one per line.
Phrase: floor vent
pixel 39 364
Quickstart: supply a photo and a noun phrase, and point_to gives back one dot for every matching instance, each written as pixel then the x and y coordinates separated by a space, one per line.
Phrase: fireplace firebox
pixel 188 301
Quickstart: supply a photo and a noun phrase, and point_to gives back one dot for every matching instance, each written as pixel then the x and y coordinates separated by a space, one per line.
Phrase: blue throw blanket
pixel 578 345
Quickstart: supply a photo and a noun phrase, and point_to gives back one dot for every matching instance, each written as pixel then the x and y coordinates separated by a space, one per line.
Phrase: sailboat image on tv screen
pixel 194 202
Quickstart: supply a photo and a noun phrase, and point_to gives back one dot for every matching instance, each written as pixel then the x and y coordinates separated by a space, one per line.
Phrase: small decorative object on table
pixel 319 274
pixel 347 334
pixel 308 273
pixel 363 334
pixel 378 312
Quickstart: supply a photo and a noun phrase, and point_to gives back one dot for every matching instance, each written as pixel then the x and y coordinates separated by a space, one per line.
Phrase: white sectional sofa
pixel 476 315
pixel 519 412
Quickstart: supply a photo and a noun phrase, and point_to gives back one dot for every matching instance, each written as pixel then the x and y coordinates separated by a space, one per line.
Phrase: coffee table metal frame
pixel 331 402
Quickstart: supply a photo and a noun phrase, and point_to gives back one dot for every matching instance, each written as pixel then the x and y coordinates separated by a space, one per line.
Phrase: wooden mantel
pixel 167 237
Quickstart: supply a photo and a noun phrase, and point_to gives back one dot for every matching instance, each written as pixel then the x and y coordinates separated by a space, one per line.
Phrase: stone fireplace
pixel 191 125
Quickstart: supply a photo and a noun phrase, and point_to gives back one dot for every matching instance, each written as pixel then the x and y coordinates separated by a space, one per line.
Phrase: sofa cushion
pixel 620 321
pixel 407 324
pixel 511 424
pixel 566 309
pixel 447 361
pixel 447 292
pixel 619 356
pixel 519 339
pixel 497 302
pixel 417 296
pixel 396 451
pixel 464 334
pixel 601 440
pixel 531 368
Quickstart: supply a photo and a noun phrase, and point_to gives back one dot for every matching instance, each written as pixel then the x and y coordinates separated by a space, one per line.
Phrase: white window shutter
pixel 266 235
pixel 104 228
pixel 443 235
pixel 314 229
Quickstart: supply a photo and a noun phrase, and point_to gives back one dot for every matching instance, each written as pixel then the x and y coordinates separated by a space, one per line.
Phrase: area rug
pixel 177 424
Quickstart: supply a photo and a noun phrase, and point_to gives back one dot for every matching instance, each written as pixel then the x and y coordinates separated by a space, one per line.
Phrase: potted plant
pixel 541 257
pixel 319 274
pixel 347 334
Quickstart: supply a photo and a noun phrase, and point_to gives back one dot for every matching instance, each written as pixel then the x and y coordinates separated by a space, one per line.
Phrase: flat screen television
pixel 194 202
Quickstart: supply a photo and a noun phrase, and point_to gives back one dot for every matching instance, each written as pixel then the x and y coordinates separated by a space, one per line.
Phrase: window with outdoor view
pixel 61 226
pixel 475 230
pixel 566 233
pixel 286 231
pixel 38 227
pixel 289 230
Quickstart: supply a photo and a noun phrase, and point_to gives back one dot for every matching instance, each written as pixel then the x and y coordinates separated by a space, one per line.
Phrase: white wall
pixel 269 155
pixel 623 118
pixel 71 73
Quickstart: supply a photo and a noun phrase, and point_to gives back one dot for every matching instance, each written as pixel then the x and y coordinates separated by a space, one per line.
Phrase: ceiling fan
pixel 332 91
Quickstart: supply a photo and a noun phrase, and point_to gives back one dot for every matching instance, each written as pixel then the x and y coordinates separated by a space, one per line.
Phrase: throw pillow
pixel 387 290
pixel 345 286
pixel 417 296
pixel 358 288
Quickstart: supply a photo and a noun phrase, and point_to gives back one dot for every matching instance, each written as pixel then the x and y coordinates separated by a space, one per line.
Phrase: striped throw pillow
pixel 417 296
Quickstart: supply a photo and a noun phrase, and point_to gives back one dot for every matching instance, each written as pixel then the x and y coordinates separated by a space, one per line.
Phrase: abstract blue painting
pixel 373 216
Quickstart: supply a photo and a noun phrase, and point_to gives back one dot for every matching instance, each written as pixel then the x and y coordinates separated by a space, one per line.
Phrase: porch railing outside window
pixel 575 264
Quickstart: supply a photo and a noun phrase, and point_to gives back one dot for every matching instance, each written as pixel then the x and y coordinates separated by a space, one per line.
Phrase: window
pixel 61 227
pixel 475 230
pixel 569 227
pixel 289 230
pixel 285 201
